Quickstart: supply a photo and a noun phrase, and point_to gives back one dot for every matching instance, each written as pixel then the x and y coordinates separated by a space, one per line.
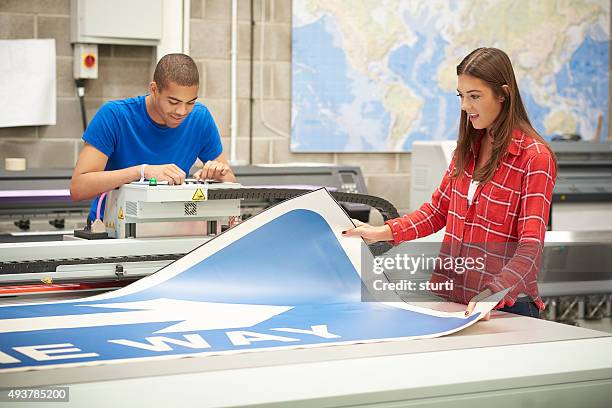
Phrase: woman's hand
pixel 470 307
pixel 369 233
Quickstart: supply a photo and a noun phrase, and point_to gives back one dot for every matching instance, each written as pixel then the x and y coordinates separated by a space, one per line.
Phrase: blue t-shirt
pixel 124 132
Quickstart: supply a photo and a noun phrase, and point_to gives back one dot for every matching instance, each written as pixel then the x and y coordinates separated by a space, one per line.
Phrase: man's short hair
pixel 177 68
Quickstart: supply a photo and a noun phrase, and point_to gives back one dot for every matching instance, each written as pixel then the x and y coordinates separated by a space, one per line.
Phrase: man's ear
pixel 153 88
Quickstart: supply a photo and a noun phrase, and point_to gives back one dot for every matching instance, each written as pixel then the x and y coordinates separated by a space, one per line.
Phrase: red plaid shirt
pixel 512 208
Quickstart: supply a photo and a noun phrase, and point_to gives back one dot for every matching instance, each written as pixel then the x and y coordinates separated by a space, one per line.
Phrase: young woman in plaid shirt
pixel 494 199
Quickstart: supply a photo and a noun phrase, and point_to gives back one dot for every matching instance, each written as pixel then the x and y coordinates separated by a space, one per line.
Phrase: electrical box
pixel 127 22
pixel 85 61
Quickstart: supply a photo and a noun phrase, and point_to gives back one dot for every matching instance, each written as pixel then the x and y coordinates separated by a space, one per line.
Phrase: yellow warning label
pixel 47 279
pixel 120 216
pixel 198 195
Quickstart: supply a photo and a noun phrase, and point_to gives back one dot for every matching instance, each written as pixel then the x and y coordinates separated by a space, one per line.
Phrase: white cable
pixel 261 67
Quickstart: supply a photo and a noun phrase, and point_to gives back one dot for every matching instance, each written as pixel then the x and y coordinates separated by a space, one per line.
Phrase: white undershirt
pixel 471 191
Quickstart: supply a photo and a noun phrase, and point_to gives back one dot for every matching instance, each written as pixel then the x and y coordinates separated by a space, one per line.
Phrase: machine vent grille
pixel 131 208
pixel 420 177
pixel 191 209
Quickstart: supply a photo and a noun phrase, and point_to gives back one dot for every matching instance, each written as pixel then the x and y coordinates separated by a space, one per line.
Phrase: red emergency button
pixel 89 60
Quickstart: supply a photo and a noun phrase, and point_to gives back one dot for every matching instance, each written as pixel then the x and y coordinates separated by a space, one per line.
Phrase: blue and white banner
pixel 285 278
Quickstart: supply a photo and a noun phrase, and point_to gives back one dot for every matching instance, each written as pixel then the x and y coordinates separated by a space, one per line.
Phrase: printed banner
pixel 285 278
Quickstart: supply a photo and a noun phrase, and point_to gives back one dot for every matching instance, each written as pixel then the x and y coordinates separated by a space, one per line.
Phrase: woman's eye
pixel 474 97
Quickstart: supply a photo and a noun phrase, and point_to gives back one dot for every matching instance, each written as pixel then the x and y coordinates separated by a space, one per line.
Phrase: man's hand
pixel 165 172
pixel 214 170
pixel 369 233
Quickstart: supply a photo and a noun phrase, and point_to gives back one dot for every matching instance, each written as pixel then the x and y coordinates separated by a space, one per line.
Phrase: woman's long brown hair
pixel 493 66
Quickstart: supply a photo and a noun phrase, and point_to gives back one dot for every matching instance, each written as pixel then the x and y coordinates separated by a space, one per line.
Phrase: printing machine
pixel 582 198
pixel 35 204
pixel 171 210
pixel 162 223
pixel 467 368
pixel 142 220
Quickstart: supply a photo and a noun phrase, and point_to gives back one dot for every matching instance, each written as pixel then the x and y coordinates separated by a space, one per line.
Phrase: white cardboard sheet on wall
pixel 27 82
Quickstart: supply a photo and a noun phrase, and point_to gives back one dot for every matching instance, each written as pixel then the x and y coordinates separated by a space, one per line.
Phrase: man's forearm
pixel 89 185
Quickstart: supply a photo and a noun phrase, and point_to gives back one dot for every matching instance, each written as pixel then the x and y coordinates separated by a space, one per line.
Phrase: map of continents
pixel 376 75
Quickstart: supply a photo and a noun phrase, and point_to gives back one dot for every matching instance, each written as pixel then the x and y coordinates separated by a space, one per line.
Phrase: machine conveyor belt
pixel 37 266
pixel 385 207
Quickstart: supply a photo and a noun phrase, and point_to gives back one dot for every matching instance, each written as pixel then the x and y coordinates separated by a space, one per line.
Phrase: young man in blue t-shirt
pixel 156 135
